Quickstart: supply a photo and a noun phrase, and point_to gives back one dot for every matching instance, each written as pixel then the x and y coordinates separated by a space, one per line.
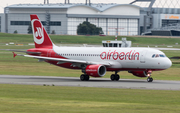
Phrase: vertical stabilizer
pixel 41 38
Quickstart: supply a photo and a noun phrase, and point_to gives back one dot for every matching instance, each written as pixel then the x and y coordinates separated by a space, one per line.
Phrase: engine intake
pixel 95 70
pixel 139 73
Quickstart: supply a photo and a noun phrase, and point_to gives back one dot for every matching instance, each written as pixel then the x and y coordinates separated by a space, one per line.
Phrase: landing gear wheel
pixel 113 77
pixel 117 77
pixel 149 79
pixel 84 77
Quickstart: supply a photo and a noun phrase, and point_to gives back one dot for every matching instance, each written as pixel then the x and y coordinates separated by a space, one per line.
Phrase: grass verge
pixel 53 99
pixel 77 39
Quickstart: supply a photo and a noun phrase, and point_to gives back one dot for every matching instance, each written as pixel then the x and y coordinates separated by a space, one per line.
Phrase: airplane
pixel 95 61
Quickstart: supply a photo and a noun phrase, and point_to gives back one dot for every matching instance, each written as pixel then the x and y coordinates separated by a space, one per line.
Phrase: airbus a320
pixel 95 61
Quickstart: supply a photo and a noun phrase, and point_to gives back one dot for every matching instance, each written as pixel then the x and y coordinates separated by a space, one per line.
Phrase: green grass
pixel 171 53
pixel 137 41
pixel 16 38
pixel 55 99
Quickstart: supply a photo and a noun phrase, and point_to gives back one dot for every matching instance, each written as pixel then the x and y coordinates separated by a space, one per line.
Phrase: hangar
pixel 64 18
pixel 114 19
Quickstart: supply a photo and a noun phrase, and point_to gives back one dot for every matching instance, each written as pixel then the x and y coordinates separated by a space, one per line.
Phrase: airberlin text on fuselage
pixel 131 55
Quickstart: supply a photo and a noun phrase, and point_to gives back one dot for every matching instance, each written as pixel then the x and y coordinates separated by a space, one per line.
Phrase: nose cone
pixel 168 63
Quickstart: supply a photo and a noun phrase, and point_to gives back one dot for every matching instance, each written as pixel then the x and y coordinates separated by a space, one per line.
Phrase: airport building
pixel 114 19
pixel 64 18
pixel 2 23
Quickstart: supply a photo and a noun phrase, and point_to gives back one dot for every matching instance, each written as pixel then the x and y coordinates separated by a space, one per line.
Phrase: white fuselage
pixel 119 58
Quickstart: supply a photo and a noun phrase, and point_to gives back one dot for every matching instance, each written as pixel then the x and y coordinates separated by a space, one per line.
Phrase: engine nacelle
pixel 95 70
pixel 140 73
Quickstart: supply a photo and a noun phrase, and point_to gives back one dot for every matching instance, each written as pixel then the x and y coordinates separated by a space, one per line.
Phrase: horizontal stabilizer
pixel 14 54
pixel 23 51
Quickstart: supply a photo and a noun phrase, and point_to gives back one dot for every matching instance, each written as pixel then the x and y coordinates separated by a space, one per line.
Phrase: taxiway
pixel 93 82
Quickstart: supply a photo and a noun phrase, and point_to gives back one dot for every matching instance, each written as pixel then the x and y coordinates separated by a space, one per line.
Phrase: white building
pixel 64 18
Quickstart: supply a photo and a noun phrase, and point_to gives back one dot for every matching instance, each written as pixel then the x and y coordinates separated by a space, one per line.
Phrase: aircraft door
pixel 142 56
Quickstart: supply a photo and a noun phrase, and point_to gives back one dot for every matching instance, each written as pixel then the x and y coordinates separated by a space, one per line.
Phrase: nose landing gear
pixel 149 79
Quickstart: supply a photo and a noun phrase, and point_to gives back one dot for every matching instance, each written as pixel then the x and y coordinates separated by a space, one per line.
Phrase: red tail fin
pixel 41 38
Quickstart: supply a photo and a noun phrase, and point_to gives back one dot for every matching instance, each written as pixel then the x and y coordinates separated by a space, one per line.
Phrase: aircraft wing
pixel 65 60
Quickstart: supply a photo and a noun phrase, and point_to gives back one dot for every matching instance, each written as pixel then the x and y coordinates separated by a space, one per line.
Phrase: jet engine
pixel 139 73
pixel 95 70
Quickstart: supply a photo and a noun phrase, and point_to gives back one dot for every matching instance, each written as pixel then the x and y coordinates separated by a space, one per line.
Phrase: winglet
pixel 14 54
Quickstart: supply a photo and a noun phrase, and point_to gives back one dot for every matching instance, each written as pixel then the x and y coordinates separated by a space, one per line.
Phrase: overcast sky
pixel 4 3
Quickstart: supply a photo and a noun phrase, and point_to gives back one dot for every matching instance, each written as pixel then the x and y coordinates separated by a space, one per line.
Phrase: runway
pixel 93 82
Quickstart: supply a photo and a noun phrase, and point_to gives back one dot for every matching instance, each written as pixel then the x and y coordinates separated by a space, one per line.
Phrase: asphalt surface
pixel 93 82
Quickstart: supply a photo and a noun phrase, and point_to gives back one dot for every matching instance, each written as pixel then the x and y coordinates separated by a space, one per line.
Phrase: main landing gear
pixel 84 77
pixel 115 77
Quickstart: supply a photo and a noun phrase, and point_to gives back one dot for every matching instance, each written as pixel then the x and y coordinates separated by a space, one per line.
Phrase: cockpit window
pixel 161 55
pixel 153 56
pixel 158 55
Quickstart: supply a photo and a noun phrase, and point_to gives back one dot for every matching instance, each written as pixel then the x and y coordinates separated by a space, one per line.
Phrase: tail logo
pixel 38 31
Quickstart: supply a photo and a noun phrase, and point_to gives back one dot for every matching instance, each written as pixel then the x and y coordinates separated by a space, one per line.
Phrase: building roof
pixel 99 7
